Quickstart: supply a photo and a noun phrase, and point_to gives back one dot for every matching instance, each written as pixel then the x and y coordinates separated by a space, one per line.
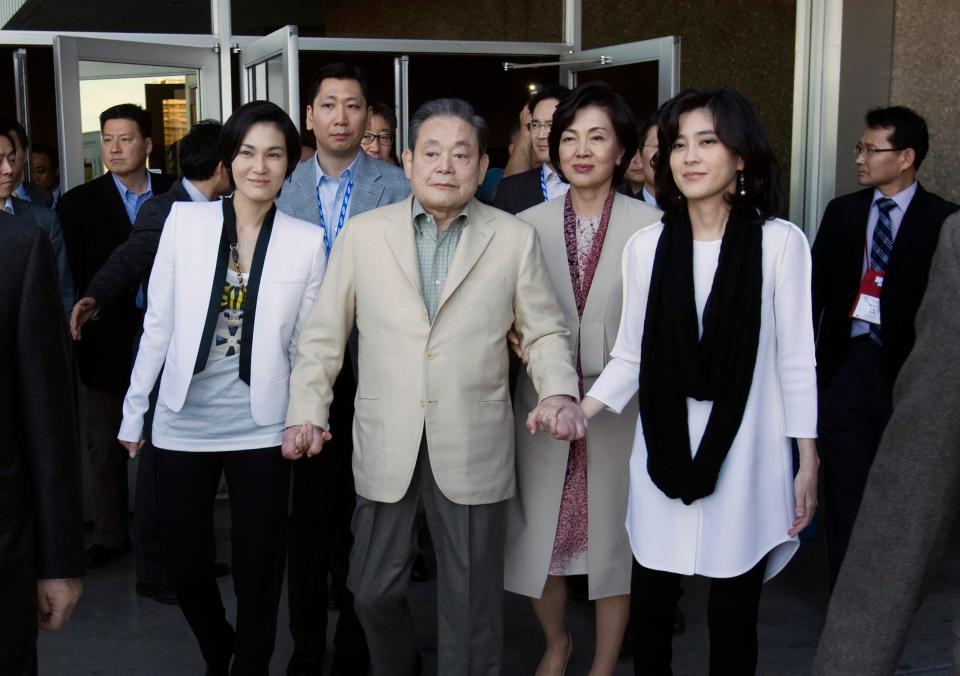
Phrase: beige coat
pixel 451 376
pixel 542 461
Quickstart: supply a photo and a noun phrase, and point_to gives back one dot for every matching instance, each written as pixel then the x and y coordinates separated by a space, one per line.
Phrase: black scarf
pixel 676 363
pixel 228 236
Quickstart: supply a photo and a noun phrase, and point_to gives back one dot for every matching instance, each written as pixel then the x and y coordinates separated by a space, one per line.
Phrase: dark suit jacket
pixel 41 528
pixel 46 219
pixel 519 192
pixel 912 494
pixel 837 270
pixel 131 261
pixel 39 196
pixel 95 223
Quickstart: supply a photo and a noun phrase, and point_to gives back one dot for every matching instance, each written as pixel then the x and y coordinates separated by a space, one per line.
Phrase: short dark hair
pixel 558 92
pixel 199 150
pixel 449 108
pixel 236 127
pixel 12 126
pixel 738 128
pixel 49 151
pixel 600 95
pixel 386 112
pixel 339 71
pixel 7 135
pixel 909 129
pixel 643 126
pixel 129 111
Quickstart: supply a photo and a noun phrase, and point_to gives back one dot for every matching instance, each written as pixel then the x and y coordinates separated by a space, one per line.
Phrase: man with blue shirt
pixel 338 182
pixel 871 260
pixel 96 218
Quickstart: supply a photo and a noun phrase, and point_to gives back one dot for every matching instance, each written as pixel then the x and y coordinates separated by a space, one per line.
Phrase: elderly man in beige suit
pixel 434 283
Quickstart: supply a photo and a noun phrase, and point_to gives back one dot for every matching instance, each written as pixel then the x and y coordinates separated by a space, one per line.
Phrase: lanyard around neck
pixel 543 181
pixel 327 240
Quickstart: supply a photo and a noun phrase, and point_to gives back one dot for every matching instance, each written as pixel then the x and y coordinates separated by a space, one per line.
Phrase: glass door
pixel 270 71
pixel 177 85
pixel 646 73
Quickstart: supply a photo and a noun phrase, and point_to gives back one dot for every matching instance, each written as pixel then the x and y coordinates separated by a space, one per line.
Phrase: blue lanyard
pixel 343 216
pixel 543 182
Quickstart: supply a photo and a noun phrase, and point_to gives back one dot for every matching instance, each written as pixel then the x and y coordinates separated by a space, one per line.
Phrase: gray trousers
pixel 469 548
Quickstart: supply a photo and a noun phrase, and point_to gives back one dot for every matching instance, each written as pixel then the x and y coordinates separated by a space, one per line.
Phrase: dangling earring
pixel 743 188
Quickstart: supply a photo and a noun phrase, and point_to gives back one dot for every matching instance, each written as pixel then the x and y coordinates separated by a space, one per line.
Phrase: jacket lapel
pixel 367 186
pixel 554 245
pixel 399 236
pixel 612 248
pixel 473 241
pixel 304 185
pixel 911 227
pixel 855 243
pixel 114 203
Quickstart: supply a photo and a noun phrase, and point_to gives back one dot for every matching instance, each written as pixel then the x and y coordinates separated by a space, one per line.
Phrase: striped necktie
pixel 880 248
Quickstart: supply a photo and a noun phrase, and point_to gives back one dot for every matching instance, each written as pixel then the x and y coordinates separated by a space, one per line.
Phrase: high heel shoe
pixel 566 659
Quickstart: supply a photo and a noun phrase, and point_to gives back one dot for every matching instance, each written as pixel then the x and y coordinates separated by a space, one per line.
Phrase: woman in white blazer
pixel 717 339
pixel 232 283
pixel 567 517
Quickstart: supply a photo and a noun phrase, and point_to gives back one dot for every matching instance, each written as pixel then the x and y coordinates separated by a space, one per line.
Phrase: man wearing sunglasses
pixel 871 259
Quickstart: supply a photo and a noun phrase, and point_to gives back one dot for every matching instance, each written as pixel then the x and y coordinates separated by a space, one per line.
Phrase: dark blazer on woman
pixel 838 268
pixel 94 223
pixel 41 531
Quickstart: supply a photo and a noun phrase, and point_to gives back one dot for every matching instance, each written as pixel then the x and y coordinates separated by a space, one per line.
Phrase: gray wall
pixel 926 77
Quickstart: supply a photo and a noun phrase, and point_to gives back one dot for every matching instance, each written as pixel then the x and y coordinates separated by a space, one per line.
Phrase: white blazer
pixel 179 297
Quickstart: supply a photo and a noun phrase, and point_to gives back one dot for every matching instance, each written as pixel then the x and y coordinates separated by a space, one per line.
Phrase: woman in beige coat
pixel 568 515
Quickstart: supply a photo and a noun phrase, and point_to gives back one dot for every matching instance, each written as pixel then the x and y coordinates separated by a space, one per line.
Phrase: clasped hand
pixel 560 417
pixel 303 440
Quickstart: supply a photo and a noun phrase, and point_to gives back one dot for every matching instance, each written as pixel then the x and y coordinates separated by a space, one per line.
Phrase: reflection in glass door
pixel 177 85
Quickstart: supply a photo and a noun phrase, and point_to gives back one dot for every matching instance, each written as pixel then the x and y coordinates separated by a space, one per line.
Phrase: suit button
pixel 430 355
pixel 423 404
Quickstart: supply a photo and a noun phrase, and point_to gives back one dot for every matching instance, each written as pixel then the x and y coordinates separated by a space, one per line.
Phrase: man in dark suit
pixel 33 213
pixel 870 264
pixel 529 188
pixel 338 182
pixel 28 192
pixel 96 219
pixel 912 495
pixel 204 179
pixel 41 530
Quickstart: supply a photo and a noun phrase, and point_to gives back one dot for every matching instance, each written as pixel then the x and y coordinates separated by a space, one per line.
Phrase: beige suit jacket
pixel 542 461
pixel 448 378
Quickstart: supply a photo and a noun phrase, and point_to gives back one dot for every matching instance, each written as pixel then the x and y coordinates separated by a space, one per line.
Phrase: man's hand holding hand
pixel 560 416
pixel 303 440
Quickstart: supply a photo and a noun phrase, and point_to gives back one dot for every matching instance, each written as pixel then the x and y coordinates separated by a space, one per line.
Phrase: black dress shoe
pixel 305 665
pixel 99 556
pixel 160 593
pixel 221 569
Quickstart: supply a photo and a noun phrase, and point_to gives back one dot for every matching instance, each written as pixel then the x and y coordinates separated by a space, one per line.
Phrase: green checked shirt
pixel 435 252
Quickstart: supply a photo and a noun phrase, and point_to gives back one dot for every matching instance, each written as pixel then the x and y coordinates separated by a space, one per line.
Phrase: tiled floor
pixel 113 631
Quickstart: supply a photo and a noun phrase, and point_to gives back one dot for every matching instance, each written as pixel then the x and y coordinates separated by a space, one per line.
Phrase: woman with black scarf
pixel 717 336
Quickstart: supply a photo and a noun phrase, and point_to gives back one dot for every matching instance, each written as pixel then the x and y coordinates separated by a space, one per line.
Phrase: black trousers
pixel 853 410
pixel 320 541
pixel 731 617
pixel 258 482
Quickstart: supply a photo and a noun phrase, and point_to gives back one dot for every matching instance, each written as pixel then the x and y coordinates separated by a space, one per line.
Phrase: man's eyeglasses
pixel 868 151
pixel 384 139
pixel 536 126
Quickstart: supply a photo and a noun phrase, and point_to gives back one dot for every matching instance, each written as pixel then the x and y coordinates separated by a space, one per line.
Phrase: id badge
pixel 867 305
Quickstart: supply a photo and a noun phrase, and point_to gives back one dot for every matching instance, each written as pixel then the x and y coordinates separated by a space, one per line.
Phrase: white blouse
pixel 749 513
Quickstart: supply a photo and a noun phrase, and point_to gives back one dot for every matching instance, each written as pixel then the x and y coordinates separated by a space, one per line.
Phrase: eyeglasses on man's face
pixel 536 126
pixel 870 151
pixel 369 137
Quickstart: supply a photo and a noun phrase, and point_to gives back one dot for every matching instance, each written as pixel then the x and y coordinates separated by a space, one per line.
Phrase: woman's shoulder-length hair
pixel 738 127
